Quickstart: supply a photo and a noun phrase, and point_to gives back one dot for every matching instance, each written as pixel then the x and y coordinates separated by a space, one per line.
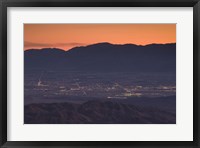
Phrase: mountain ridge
pixel 101 43
pixel 95 112
pixel 105 57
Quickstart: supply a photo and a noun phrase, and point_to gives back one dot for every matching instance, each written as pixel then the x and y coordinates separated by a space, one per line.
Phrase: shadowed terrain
pixel 95 112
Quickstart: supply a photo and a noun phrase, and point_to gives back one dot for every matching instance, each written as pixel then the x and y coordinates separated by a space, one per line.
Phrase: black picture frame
pixel 99 3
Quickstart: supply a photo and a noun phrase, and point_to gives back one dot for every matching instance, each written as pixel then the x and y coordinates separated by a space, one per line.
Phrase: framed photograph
pixel 100 73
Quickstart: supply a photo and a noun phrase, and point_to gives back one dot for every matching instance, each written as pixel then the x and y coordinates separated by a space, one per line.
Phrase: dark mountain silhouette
pixel 105 57
pixel 95 112
pixel 35 58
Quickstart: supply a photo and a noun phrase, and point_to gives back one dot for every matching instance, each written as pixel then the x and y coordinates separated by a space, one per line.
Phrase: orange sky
pixel 66 36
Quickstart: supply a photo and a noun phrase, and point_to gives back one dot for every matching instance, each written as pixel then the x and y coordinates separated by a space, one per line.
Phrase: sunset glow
pixel 67 36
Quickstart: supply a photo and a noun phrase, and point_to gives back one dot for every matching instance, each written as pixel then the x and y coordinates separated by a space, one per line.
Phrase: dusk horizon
pixel 99 73
pixel 67 36
pixel 52 47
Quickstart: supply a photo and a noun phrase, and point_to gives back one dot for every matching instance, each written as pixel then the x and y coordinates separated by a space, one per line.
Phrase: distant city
pixel 99 85
pixel 100 73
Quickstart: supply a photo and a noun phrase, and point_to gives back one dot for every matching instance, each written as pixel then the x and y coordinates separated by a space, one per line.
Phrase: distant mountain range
pixel 105 57
pixel 95 112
